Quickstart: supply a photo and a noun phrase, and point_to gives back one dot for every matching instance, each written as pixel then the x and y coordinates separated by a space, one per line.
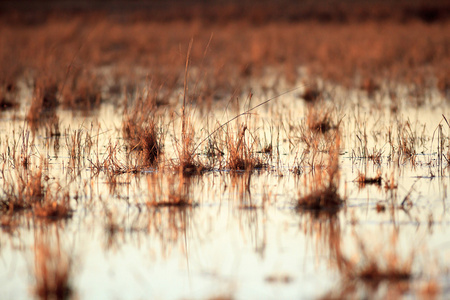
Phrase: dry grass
pixel 8 95
pixel 68 74
pixel 407 142
pixel 316 131
pixel 22 191
pixel 55 206
pixel 188 162
pixel 238 54
pixel 323 186
pixel 311 93
pixel 241 151
pixel 144 138
pixel 320 120
pixel 375 156
pixel 113 164
pixel 185 147
pixel 27 189
pixel 141 130
pixel 82 90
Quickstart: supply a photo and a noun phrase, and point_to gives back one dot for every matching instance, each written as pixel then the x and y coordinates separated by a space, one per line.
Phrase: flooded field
pixel 188 159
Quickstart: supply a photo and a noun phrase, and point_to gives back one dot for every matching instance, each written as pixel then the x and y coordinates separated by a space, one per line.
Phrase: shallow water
pixel 244 237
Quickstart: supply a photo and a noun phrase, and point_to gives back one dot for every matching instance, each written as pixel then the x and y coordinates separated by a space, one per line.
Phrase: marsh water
pixel 244 236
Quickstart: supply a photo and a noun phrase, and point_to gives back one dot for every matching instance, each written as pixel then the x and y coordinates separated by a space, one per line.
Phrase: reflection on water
pixel 134 232
pixel 52 265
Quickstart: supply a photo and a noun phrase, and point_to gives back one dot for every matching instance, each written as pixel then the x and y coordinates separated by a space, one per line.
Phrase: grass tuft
pixel 323 189
pixel 140 130
pixel 241 155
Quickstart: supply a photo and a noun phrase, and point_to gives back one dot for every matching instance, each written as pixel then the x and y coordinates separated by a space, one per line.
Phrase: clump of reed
pixel 82 90
pixel 214 152
pixel 111 165
pixel 22 191
pixel 55 205
pixel 407 142
pixel 322 187
pixel 375 156
pixel 8 95
pixel 52 126
pixel 45 98
pixel 30 190
pixel 320 120
pixel 316 133
pixel 241 151
pixel 311 93
pixel 188 162
pixel 143 135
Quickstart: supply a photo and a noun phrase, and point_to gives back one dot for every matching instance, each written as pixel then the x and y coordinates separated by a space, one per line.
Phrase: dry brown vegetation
pixel 25 184
pixel 188 162
pixel 32 192
pixel 242 152
pixel 23 193
pixel 141 131
pixel 323 186
pixel 168 80
pixel 60 57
